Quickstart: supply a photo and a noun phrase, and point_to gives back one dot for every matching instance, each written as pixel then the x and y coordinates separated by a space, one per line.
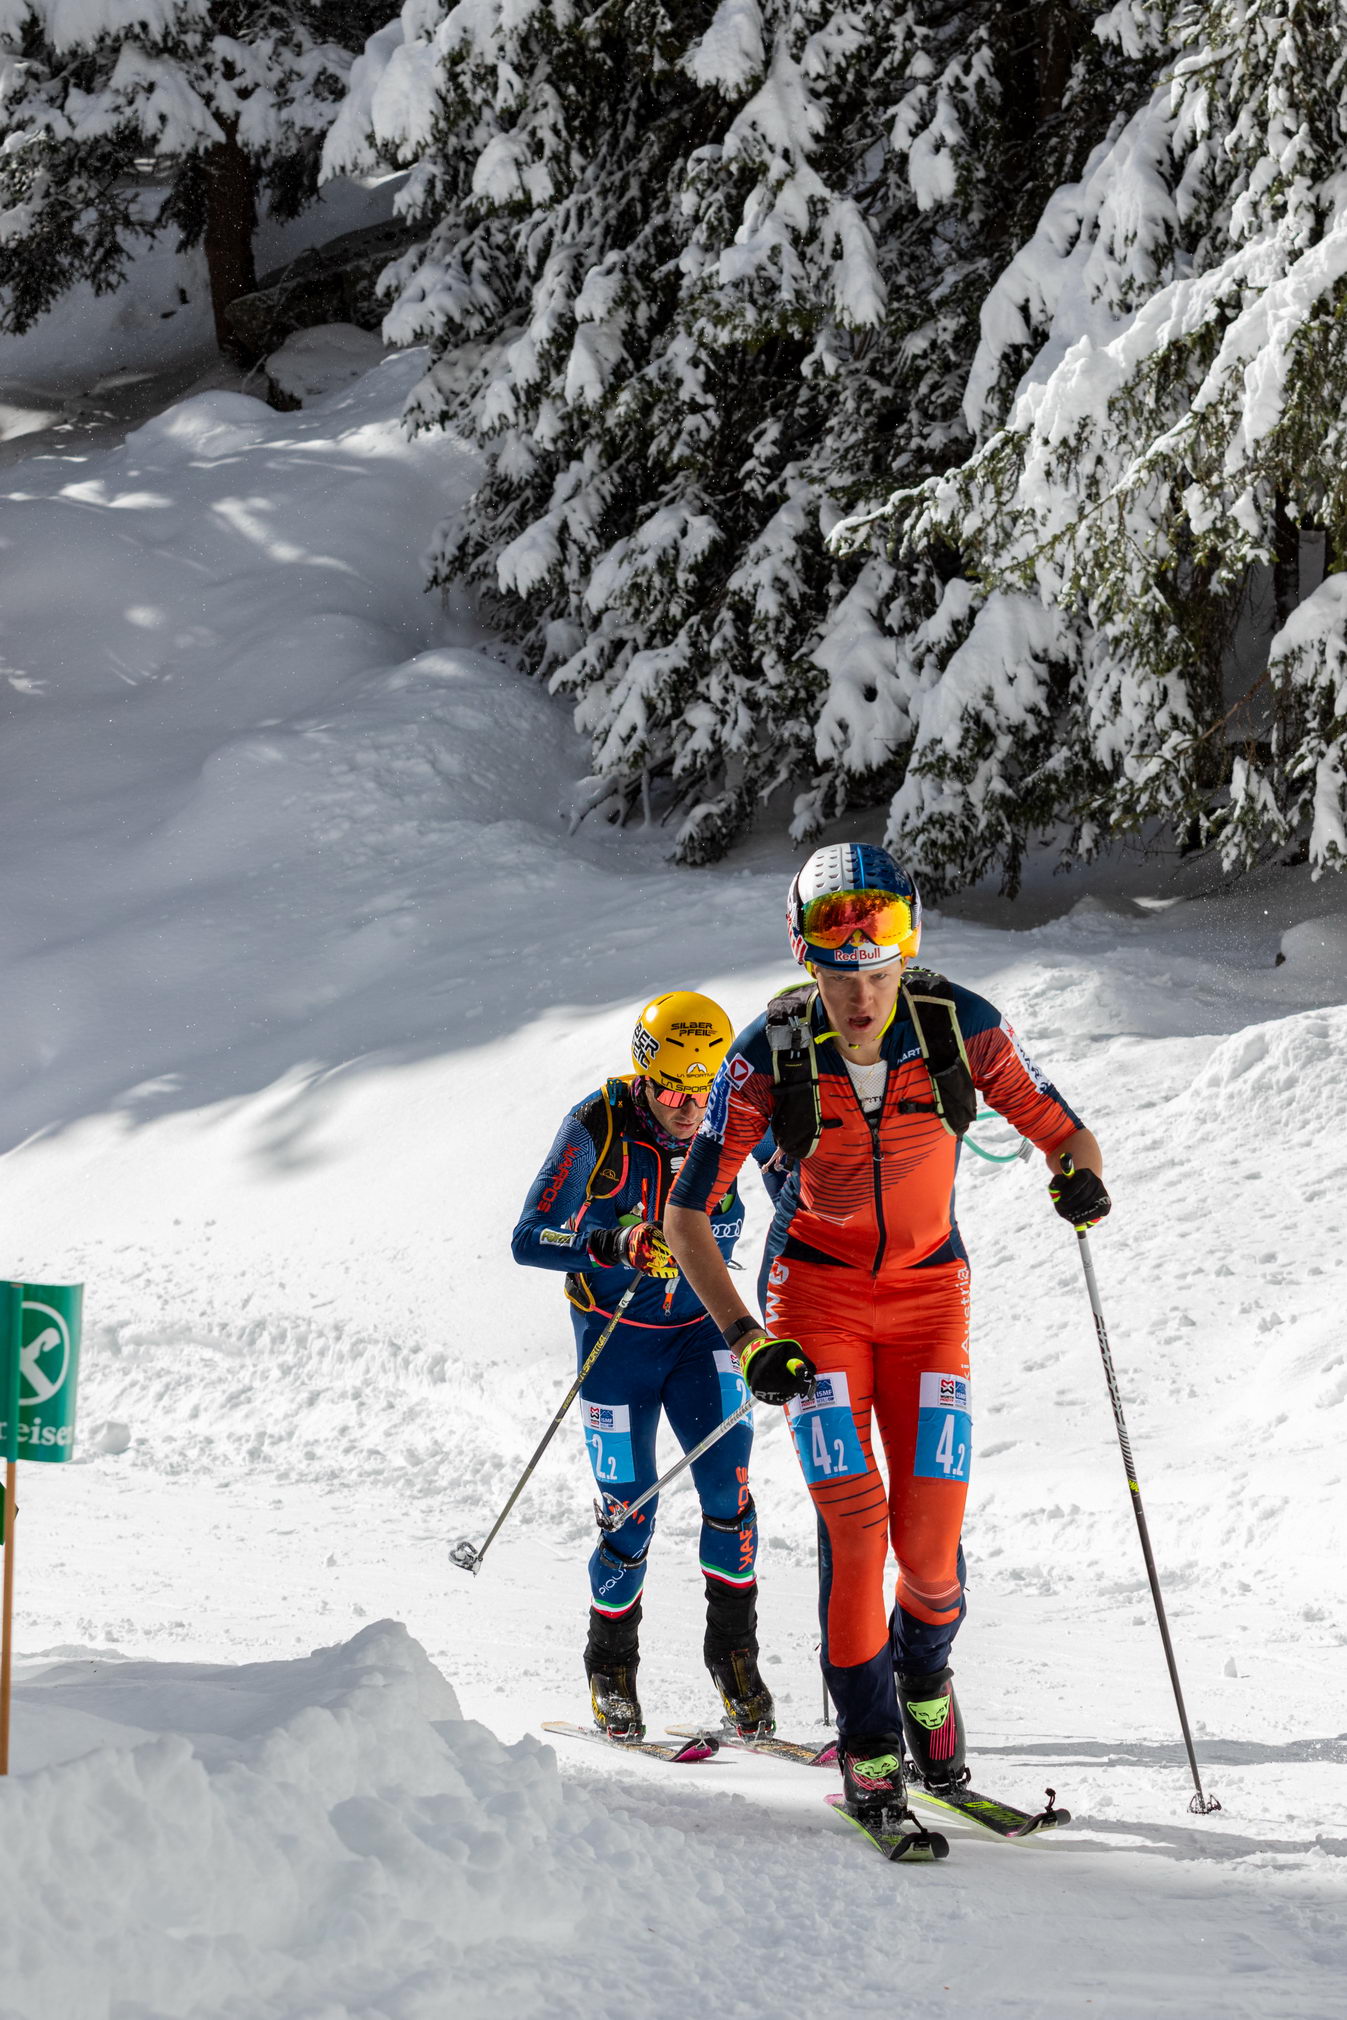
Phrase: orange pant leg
pixel 829 1311
pixel 921 1404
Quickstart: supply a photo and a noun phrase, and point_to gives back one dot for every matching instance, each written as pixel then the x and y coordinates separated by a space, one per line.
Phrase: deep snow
pixel 299 969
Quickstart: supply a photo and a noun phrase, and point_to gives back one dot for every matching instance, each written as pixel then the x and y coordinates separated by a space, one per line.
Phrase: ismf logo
pixel 601 1419
pixel 823 1391
pixel 954 1392
pixel 738 1068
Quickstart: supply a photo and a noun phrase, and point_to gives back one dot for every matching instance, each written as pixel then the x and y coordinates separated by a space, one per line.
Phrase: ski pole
pixel 612 1513
pixel 818 1566
pixel 465 1553
pixel 1200 1804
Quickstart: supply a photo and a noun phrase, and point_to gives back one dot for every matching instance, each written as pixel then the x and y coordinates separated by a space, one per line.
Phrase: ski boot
pixel 872 1779
pixel 746 1698
pixel 617 1709
pixel 730 1648
pixel 933 1728
pixel 612 1658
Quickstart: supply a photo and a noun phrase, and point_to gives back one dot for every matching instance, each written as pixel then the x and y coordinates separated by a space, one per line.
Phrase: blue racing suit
pixel 611 1165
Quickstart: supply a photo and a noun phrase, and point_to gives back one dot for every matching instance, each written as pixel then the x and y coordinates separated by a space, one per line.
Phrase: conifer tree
pixel 1181 310
pixel 232 96
pixel 695 275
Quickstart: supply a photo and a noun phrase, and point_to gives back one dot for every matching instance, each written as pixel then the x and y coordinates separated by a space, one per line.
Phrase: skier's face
pixel 859 1005
pixel 680 1123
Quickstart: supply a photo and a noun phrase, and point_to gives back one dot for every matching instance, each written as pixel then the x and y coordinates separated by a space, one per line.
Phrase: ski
pixel 774 1748
pixel 1003 1820
pixel 701 1746
pixel 907 1839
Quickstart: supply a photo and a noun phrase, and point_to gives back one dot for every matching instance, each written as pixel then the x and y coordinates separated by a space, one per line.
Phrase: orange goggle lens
pixel 679 1097
pixel 883 917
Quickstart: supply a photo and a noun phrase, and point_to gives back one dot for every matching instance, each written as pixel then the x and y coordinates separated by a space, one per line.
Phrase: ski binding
pixel 897 1836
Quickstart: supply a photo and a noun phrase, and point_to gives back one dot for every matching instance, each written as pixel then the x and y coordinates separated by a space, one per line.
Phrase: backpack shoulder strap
pixel 797 1113
pixel 930 1004
pixel 608 1120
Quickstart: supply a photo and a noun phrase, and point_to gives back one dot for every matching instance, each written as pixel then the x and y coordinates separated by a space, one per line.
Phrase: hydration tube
pixel 1025 1151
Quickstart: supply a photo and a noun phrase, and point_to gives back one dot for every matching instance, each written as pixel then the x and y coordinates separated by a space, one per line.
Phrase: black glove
pixel 1079 1197
pixel 641 1247
pixel 776 1370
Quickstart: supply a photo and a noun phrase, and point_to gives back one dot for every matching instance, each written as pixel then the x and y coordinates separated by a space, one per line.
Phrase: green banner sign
pixel 48 1369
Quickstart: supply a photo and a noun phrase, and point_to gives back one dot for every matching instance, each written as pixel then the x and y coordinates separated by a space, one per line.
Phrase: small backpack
pixel 797 1112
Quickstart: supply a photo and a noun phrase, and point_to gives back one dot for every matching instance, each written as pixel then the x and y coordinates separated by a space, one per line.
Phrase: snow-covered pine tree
pixel 694 275
pixel 1155 471
pixel 231 100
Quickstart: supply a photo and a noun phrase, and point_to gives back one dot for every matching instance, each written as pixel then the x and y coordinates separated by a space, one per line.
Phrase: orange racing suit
pixel 864 1266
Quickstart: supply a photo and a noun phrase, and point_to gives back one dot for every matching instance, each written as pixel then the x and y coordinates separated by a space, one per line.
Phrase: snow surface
pixel 299 970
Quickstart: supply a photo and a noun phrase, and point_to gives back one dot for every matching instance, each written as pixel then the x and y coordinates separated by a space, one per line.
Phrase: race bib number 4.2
pixel 608 1438
pixel 825 1432
pixel 944 1428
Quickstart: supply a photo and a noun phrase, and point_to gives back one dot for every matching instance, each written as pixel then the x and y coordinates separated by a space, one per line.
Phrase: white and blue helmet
pixel 853 906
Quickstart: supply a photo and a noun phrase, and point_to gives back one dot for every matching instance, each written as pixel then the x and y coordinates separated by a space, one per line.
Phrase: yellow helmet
pixel 680 1040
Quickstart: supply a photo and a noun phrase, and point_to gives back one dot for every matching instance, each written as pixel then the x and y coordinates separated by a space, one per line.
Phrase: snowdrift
pixel 318 1836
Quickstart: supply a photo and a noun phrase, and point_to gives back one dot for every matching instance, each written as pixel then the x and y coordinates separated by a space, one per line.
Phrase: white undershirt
pixel 869 1083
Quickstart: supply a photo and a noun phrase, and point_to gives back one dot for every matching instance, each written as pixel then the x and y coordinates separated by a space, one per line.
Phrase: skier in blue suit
pixel 594 1211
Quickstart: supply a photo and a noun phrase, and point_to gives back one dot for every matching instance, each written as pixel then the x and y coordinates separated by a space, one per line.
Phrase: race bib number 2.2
pixel 608 1438
pixel 944 1428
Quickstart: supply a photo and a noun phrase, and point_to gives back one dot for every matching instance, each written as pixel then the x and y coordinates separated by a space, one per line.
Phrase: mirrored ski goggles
pixel 882 916
pixel 679 1097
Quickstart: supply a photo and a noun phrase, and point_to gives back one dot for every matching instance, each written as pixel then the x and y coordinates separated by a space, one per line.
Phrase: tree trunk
pixel 1285 561
pixel 231 215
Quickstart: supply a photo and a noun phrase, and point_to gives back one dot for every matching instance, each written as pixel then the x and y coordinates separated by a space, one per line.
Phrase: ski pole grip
pixel 794 1367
